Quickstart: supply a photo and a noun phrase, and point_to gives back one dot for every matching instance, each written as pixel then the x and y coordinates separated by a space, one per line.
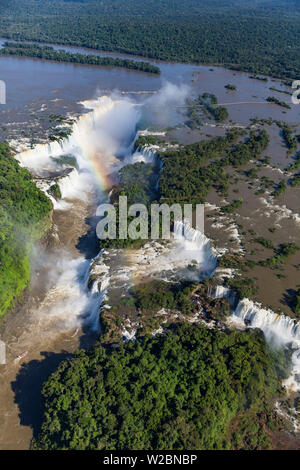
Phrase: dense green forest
pixel 255 36
pixel 186 179
pixel 47 52
pixel 136 182
pixel 205 106
pixel 25 216
pixel 180 390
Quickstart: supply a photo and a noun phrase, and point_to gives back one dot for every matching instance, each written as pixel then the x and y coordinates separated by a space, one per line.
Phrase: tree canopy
pixel 180 390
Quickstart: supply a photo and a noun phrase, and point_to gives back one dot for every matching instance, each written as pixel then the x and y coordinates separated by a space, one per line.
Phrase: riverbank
pixel 48 53
pixel 168 32
pixel 26 217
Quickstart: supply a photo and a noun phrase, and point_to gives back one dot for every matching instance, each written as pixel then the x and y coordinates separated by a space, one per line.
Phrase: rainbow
pixel 92 143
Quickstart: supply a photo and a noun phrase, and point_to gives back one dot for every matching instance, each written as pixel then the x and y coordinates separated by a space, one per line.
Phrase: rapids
pixel 102 142
pixel 63 296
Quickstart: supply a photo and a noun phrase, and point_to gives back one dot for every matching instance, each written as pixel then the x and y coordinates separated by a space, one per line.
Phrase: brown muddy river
pixel 37 88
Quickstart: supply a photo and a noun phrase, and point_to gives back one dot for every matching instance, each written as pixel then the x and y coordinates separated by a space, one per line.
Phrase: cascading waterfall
pixel 97 138
pixel 97 282
pixel 144 154
pixel 196 246
pixel 278 329
pixel 220 292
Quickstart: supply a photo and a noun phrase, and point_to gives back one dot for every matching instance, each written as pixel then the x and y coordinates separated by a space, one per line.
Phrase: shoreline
pixel 119 54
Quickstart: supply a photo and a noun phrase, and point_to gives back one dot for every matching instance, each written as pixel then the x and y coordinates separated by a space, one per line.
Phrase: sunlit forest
pixel 255 36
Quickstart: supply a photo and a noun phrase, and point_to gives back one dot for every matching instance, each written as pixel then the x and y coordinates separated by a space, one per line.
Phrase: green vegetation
pixel 252 173
pixel 252 148
pixel 54 191
pixel 220 114
pixel 137 182
pixel 257 37
pixel 230 87
pixel 144 140
pixel 256 77
pixel 281 187
pixel 232 207
pixel 158 294
pixel 264 242
pixel 180 390
pixel 283 104
pixel 280 91
pixel 296 164
pixel 25 216
pixel 48 53
pixel 66 160
pixel 236 262
pixel 282 253
pixel 60 127
pixel 296 181
pixel 60 134
pixel 228 261
pixel 244 286
pixel 290 140
pixel 205 106
pixel 295 304
pixel 186 179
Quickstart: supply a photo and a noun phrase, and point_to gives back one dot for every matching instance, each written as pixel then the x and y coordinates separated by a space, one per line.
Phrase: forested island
pixel 48 53
pixel 186 179
pixel 191 388
pixel 260 37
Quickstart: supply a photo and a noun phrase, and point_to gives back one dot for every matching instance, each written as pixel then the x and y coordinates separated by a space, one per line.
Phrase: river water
pixel 37 88
pixel 45 325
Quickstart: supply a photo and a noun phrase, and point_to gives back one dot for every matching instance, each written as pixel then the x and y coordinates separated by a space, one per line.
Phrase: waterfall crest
pixel 278 329
pixel 196 246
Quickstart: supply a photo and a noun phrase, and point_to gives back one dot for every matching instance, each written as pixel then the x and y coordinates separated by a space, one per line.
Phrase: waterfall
pixel 142 154
pixel 97 282
pixel 97 138
pixel 278 329
pixel 196 246
pixel 221 292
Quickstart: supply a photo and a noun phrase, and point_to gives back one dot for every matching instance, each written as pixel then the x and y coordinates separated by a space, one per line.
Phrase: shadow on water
pixel 29 382
pixel 289 298
pixel 28 385
pixel 88 244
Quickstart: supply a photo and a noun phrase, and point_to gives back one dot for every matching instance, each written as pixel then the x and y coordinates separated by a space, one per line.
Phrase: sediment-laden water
pixel 61 313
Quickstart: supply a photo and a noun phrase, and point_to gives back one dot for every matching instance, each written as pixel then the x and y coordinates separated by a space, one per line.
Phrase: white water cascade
pixel 278 329
pixel 144 155
pixel 97 138
pixel 196 246
pixel 221 292
pixel 102 134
